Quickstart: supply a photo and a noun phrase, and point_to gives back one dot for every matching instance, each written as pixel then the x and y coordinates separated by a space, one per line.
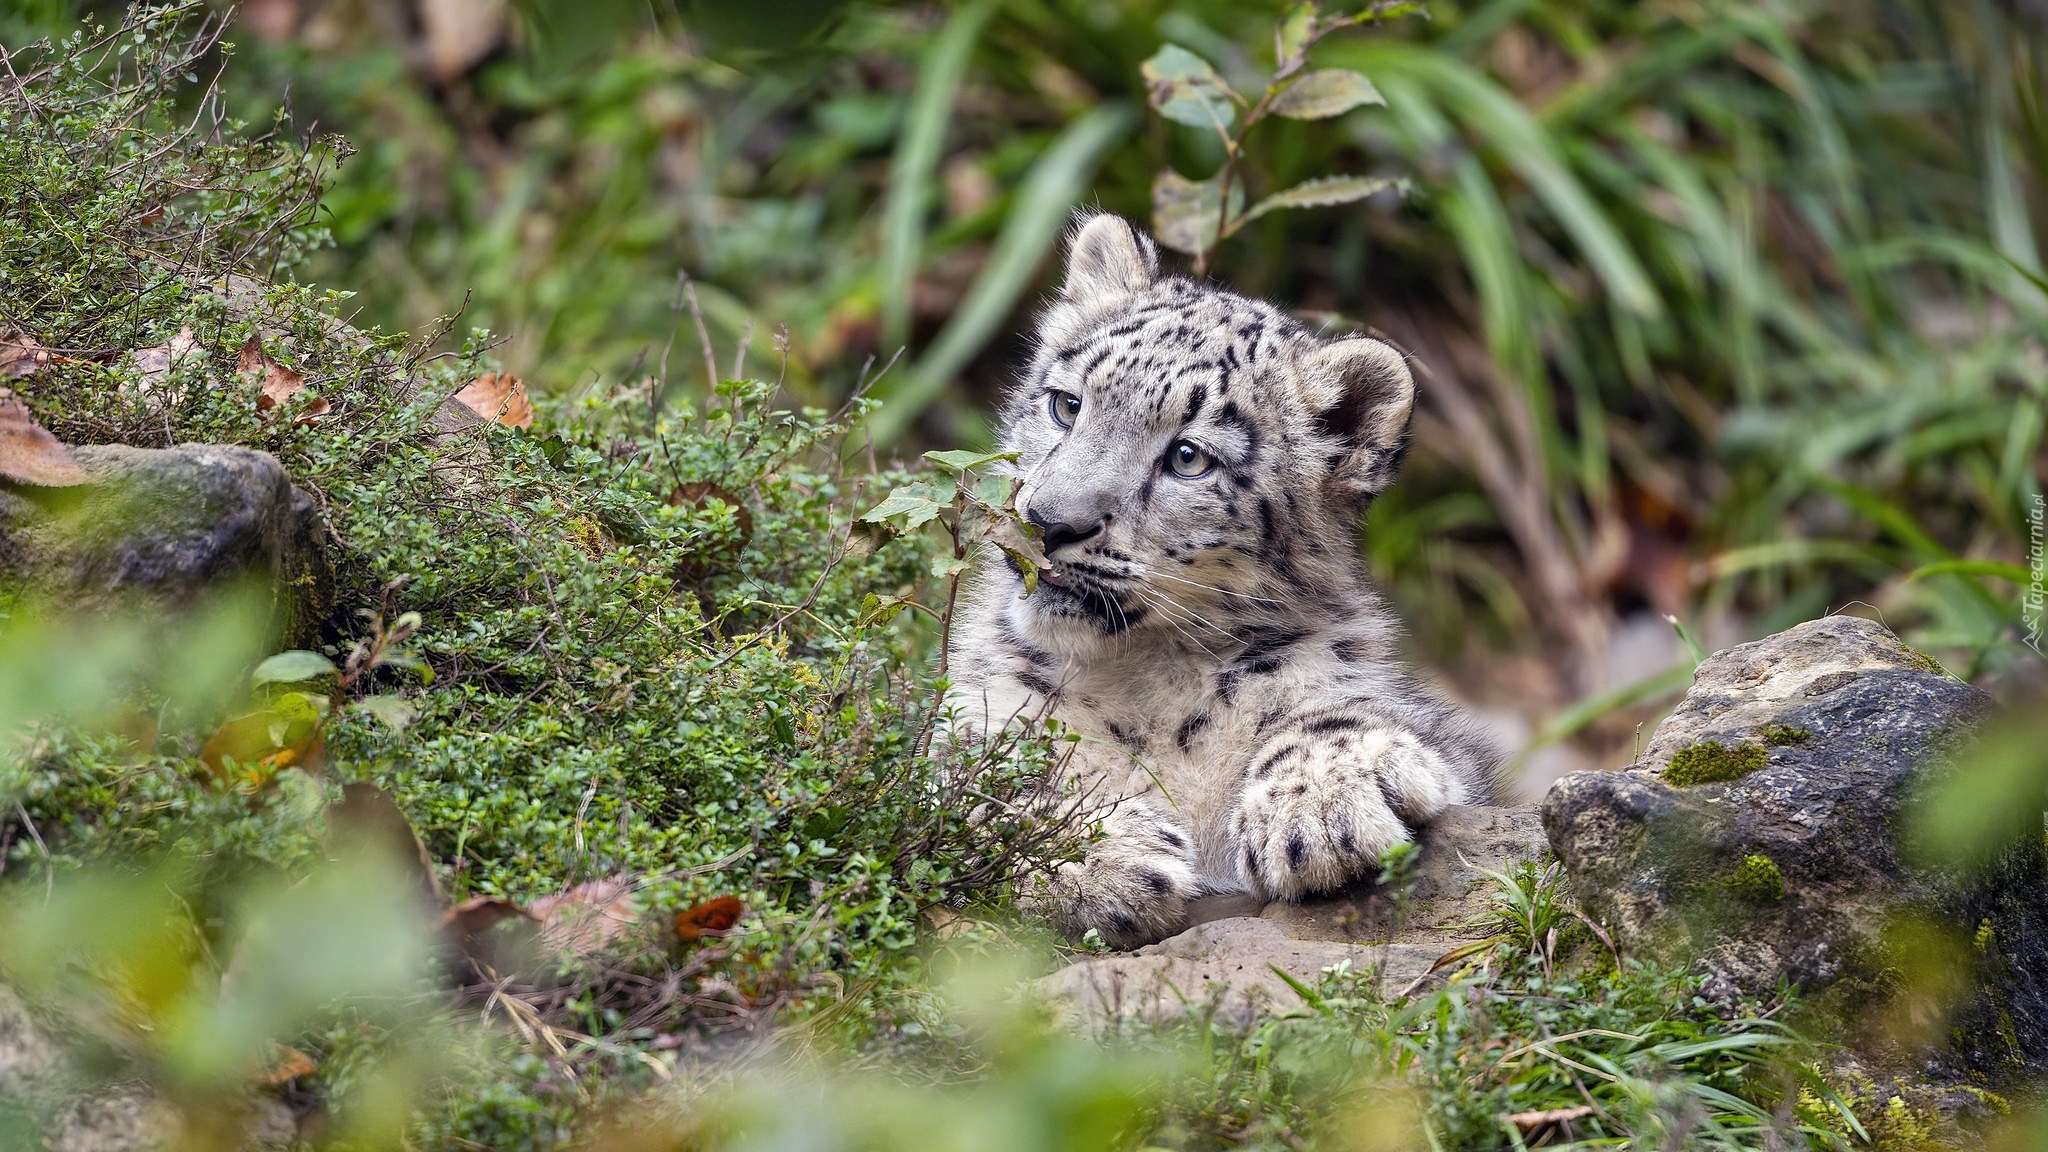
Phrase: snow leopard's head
pixel 1192 456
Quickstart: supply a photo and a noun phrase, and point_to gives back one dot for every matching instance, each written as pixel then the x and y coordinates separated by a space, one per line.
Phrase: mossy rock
pixel 1760 839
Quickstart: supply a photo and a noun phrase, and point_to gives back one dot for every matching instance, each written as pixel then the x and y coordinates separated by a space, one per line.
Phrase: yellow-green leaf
pixel 1187 90
pixel 1184 211
pixel 1323 93
pixel 963 460
pixel 1291 39
pixel 1321 191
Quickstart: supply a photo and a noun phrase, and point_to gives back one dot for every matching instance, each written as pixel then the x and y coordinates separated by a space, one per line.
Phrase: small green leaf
pixel 917 502
pixel 394 710
pixel 880 609
pixel 1291 39
pixel 292 668
pixel 1187 90
pixel 944 566
pixel 963 460
pixel 1026 565
pixel 1321 191
pixel 1184 211
pixel 1323 93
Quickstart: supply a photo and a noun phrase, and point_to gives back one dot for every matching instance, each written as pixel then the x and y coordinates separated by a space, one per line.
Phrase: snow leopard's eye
pixel 1065 408
pixel 1187 461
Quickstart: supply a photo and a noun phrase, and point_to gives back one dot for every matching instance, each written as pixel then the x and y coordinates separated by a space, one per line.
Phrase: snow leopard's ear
pixel 1362 393
pixel 1108 257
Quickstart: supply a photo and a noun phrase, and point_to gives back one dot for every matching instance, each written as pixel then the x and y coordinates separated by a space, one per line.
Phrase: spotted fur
pixel 1199 464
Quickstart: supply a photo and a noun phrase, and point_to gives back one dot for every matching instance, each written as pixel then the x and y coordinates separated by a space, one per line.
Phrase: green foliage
pixel 1194 216
pixel 628 642
pixel 1710 762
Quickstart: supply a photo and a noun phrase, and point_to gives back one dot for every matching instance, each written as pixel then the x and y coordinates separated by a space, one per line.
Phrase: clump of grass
pixel 1758 880
pixel 1711 762
pixel 1783 735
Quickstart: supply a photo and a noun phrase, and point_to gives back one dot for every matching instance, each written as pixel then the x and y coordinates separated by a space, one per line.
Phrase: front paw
pixel 1311 819
pixel 1127 901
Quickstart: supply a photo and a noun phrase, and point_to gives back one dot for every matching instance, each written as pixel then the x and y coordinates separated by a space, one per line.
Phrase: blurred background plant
pixel 1724 311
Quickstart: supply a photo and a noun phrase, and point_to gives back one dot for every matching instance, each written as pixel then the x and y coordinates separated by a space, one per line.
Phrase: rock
pixel 1397 931
pixel 161 527
pixel 1782 860
pixel 77 1114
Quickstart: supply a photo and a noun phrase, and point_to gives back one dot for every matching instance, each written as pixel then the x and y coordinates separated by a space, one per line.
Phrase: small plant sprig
pixel 1195 216
pixel 981 508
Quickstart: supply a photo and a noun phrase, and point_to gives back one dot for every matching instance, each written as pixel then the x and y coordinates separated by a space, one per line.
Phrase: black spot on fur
pixel 1349 651
pixel 1156 881
pixel 1122 924
pixel 1189 728
pixel 1173 839
pixel 1297 851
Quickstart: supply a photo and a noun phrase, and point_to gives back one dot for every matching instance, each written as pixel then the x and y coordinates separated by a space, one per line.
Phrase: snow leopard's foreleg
pixel 1133 884
pixel 1322 801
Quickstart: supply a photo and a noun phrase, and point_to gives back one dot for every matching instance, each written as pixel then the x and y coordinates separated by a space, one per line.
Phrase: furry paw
pixel 1312 817
pixel 1132 888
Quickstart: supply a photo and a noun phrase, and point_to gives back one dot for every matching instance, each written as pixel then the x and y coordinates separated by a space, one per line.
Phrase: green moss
pixel 1780 735
pixel 1712 763
pixel 1758 880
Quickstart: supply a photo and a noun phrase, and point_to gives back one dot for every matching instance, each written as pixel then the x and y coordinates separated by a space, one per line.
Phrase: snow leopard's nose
pixel 1060 533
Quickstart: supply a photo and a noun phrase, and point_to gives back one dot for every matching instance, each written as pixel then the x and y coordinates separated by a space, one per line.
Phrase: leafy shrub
pixel 627 642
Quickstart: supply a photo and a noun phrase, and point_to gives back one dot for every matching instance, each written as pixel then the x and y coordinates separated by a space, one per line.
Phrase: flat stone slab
pixel 1228 960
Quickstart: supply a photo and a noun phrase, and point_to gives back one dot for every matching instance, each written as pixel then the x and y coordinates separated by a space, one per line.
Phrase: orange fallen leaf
pixel 477 914
pixel 715 915
pixel 279 382
pixel 586 918
pixel 21 356
pixel 248 751
pixel 291 1064
pixel 499 396
pixel 156 362
pixel 29 454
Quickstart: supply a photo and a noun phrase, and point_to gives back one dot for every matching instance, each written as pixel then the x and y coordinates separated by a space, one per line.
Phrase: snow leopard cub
pixel 1199 463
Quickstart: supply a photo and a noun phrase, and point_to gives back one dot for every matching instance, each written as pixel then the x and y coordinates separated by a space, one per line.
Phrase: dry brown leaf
pixel 586 918
pixel 289 1065
pixel 273 21
pixel 477 914
pixel 367 818
pixel 29 454
pixel 713 916
pixel 697 492
pixel 499 396
pixel 1530 1122
pixel 156 361
pixel 460 33
pixel 279 382
pixel 21 356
